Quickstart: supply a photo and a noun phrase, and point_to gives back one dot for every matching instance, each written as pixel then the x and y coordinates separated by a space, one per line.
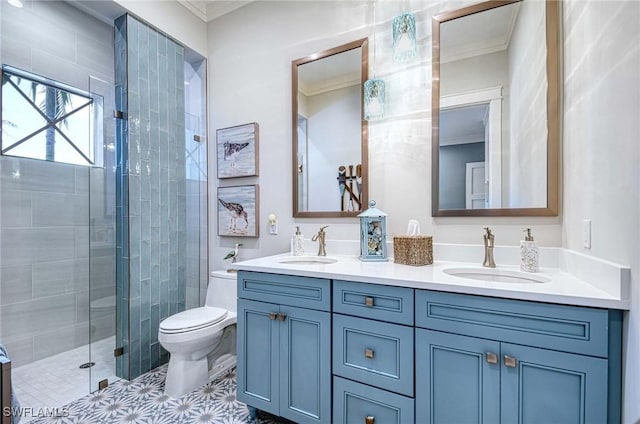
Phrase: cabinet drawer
pixel 374 352
pixel 559 327
pixel 385 303
pixel 354 402
pixel 304 292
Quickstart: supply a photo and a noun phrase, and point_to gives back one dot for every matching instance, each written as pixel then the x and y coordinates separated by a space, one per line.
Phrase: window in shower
pixel 46 120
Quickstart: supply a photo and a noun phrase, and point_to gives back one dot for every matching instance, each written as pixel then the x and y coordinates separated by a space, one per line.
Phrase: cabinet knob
pixel 510 361
pixel 369 420
pixel 282 317
pixel 368 353
pixel 272 315
pixel 368 301
pixel 492 358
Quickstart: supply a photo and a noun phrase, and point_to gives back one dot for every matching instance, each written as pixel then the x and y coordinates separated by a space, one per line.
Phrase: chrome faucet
pixel 488 249
pixel 320 238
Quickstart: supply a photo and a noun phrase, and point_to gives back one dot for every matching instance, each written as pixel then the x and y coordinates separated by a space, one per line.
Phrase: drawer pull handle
pixel 273 315
pixel 282 317
pixel 368 353
pixel 369 420
pixel 368 301
pixel 510 361
pixel 492 358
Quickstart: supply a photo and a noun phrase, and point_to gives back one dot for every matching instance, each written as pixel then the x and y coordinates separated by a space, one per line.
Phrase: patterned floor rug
pixel 142 401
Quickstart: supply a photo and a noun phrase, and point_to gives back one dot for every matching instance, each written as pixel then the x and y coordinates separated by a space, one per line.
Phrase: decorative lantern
pixel 373 234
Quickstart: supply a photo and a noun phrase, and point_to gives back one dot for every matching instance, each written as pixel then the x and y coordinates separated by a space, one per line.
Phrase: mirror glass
pixel 329 132
pixel 495 110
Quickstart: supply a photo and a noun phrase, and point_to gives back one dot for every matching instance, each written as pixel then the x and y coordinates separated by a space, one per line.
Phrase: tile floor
pixel 57 380
pixel 142 401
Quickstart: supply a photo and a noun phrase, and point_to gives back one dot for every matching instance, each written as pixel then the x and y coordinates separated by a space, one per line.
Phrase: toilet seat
pixel 193 319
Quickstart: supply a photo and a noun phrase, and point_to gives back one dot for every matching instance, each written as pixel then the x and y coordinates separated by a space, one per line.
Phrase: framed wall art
pixel 238 211
pixel 237 151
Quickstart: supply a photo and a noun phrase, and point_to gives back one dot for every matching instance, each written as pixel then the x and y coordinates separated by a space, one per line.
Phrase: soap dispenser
pixel 298 243
pixel 528 253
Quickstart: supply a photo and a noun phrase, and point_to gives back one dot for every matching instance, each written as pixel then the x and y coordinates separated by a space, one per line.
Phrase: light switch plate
pixel 273 224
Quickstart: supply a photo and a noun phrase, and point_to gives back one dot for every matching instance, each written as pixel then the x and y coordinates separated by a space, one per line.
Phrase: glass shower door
pixel 57 248
pixel 102 240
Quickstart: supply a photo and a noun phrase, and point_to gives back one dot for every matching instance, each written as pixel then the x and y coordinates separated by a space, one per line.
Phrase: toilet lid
pixel 193 319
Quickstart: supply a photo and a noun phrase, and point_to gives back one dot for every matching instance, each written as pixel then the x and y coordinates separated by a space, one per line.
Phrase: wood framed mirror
pixel 496 110
pixel 330 153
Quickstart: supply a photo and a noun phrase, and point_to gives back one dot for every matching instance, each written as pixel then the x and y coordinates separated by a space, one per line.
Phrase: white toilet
pixel 201 341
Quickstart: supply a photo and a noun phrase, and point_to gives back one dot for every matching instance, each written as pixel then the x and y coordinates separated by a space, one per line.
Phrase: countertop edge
pixel 603 300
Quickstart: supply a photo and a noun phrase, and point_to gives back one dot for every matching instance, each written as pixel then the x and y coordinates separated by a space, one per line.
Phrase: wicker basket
pixel 413 250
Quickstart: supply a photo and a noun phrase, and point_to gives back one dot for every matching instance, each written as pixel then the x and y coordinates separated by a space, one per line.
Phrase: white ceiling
pixel 208 10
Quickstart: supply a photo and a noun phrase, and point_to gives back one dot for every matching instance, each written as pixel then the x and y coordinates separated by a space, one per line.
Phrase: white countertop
pixel 562 287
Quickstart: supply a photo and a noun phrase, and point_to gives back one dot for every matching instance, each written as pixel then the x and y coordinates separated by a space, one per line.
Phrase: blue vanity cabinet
pixel 284 354
pixel 322 351
pixel 481 359
pixel 373 353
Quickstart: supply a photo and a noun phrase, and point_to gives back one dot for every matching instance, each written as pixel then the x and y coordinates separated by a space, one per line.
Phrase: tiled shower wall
pixel 57 249
pixel 151 190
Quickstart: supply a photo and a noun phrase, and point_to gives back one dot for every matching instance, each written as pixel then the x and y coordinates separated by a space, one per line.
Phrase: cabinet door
pixel 543 386
pixel 305 365
pixel 258 335
pixel 457 379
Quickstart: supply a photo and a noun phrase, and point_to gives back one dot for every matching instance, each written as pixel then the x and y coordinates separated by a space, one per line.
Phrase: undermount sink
pixel 498 275
pixel 307 260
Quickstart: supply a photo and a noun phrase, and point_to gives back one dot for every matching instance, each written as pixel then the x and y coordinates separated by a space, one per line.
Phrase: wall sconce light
pixel 404 37
pixel 374 88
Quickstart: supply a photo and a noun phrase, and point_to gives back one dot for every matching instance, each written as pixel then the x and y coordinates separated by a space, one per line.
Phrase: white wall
pixel 601 153
pixel 250 54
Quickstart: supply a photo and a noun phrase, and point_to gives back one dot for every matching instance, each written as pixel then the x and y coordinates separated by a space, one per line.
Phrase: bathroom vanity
pixel 354 342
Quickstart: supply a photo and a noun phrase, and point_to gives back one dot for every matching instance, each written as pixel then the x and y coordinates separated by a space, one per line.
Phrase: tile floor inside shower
pixel 58 380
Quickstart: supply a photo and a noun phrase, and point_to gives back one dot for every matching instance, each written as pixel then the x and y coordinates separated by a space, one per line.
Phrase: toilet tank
pixel 222 291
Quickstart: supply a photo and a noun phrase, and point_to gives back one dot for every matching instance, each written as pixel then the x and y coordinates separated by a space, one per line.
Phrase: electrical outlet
pixel 586 234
